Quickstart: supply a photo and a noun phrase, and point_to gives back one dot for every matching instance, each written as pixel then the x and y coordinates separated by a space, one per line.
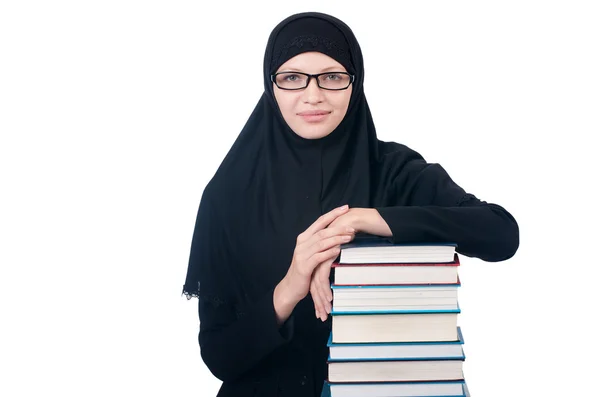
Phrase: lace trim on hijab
pixel 215 301
pixel 191 292
pixel 301 41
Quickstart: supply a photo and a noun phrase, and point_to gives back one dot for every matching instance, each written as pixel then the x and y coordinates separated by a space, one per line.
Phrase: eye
pixel 333 77
pixel 292 77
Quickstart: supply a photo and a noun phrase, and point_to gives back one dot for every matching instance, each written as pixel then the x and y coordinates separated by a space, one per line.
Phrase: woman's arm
pixel 481 230
pixel 430 208
pixel 237 334
pixel 232 343
pixel 438 210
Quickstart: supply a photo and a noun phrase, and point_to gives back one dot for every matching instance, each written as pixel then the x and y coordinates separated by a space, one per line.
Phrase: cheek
pixel 342 104
pixel 286 106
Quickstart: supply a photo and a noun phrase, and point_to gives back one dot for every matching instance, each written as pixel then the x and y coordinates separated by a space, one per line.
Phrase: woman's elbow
pixel 217 357
pixel 505 242
pixel 218 365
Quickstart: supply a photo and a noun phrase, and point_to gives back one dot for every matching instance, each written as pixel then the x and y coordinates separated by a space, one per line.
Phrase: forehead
pixel 312 62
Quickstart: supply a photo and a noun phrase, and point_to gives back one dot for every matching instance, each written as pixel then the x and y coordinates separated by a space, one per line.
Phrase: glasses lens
pixel 334 81
pixel 291 81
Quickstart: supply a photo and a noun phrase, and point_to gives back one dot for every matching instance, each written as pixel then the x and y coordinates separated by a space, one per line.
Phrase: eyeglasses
pixel 333 81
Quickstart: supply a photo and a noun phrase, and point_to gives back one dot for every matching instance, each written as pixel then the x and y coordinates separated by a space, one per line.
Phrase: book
pixel 411 326
pixel 394 321
pixel 396 389
pixel 371 298
pixel 396 350
pixel 395 370
pixel 396 273
pixel 374 249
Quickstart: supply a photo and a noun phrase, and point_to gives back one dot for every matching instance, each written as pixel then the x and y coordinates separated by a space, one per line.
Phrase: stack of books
pixel 395 330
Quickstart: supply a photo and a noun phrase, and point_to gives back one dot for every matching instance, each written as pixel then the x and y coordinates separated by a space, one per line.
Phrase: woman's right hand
pixel 315 245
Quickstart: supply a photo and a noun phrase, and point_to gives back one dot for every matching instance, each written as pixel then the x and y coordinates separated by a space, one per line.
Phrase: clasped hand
pixel 320 288
pixel 318 247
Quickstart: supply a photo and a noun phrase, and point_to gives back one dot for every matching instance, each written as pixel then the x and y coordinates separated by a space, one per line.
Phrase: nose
pixel 313 94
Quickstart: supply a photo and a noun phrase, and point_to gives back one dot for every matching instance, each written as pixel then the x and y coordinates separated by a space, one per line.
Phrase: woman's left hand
pixel 366 220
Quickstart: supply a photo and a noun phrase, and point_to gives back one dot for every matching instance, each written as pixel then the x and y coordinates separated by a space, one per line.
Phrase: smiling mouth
pixel 314 117
pixel 314 113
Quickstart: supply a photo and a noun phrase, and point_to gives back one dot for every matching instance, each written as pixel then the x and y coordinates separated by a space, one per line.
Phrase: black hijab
pixel 273 183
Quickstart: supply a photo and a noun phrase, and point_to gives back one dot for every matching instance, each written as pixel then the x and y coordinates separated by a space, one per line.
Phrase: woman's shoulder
pixel 400 165
pixel 223 198
pixel 217 194
pixel 398 157
pixel 388 150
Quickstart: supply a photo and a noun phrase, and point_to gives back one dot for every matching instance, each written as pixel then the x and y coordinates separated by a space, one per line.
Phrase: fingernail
pixel 350 230
pixel 343 207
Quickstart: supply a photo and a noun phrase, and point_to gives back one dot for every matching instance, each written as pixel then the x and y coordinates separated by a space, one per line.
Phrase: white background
pixel 115 114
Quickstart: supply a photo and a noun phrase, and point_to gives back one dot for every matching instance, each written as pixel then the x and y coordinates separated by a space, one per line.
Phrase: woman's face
pixel 313 112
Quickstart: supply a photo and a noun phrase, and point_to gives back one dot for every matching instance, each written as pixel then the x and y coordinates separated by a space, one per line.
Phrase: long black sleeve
pixel 231 344
pixel 236 331
pixel 431 207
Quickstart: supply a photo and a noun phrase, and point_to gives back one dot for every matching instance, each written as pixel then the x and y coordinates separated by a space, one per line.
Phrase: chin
pixel 313 133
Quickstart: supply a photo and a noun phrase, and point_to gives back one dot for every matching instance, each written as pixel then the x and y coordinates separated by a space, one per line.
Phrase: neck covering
pixel 273 184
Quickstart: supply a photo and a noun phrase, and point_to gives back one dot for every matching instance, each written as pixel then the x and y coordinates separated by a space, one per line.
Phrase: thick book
pixel 396 350
pixel 395 370
pixel 385 298
pixel 425 326
pixel 396 273
pixel 374 249
pixel 396 389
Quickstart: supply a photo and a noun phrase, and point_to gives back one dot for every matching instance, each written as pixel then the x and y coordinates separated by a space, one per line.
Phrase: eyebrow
pixel 336 68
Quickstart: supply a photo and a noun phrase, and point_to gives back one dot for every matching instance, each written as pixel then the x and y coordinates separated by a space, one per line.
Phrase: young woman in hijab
pixel 272 218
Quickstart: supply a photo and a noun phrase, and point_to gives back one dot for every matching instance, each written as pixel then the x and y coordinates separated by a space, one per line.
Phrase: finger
pixel 310 260
pixel 324 220
pixel 321 257
pixel 326 244
pixel 323 287
pixel 321 279
pixel 316 294
pixel 325 293
pixel 316 299
pixel 317 282
pixel 323 282
pixel 330 232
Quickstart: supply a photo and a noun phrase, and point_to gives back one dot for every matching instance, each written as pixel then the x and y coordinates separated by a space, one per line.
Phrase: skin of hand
pixel 365 220
pixel 320 243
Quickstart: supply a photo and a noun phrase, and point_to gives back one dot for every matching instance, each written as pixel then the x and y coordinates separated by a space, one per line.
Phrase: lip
pixel 314 116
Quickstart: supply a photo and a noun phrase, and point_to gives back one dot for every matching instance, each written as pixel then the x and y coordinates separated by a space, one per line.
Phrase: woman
pixel 272 218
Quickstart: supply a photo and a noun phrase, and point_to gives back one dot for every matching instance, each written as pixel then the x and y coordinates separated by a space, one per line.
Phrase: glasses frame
pixel 310 76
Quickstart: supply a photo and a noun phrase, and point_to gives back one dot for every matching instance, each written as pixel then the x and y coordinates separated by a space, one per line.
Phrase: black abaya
pixel 273 184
